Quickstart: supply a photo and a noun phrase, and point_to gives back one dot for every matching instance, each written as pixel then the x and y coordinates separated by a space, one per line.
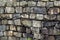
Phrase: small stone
pixel 26 22
pixel 36 23
pixel 31 3
pixel 18 9
pixel 9 9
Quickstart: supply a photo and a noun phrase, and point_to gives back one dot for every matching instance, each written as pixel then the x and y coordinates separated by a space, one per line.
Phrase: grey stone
pixel 10 22
pixel 16 4
pixel 15 16
pixel 32 16
pixel 17 34
pixel 37 36
pixel 39 16
pixel 2 2
pixel 52 0
pixel 9 16
pixel 42 4
pixel 49 4
pixel 18 9
pixel 56 3
pixel 24 15
pixel 17 22
pixel 9 10
pixel 1 33
pixel 50 17
pixel 31 3
pixel 23 38
pixel 2 27
pixel 44 30
pixel 51 38
pixel 44 0
pixel 57 37
pixel 3 38
pixel 24 34
pixel 26 22
pixel 1 10
pixel 28 30
pixel 19 29
pixel 39 10
pixel 51 31
pixel 35 29
pixel 26 9
pixel 13 28
pixel 36 23
pixel 9 2
pixel 58 17
pixel 11 38
pixel 23 3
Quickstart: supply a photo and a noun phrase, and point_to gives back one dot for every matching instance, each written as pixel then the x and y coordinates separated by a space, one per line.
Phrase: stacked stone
pixel 29 19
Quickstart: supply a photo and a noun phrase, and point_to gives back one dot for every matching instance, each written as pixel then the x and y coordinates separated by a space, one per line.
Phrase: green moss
pixel 29 38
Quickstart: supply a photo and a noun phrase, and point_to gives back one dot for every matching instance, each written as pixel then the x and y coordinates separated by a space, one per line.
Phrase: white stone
pixel 41 4
pixel 18 9
pixel 26 22
pixel 31 3
pixel 32 16
pixel 39 16
pixel 9 9
pixel 36 23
